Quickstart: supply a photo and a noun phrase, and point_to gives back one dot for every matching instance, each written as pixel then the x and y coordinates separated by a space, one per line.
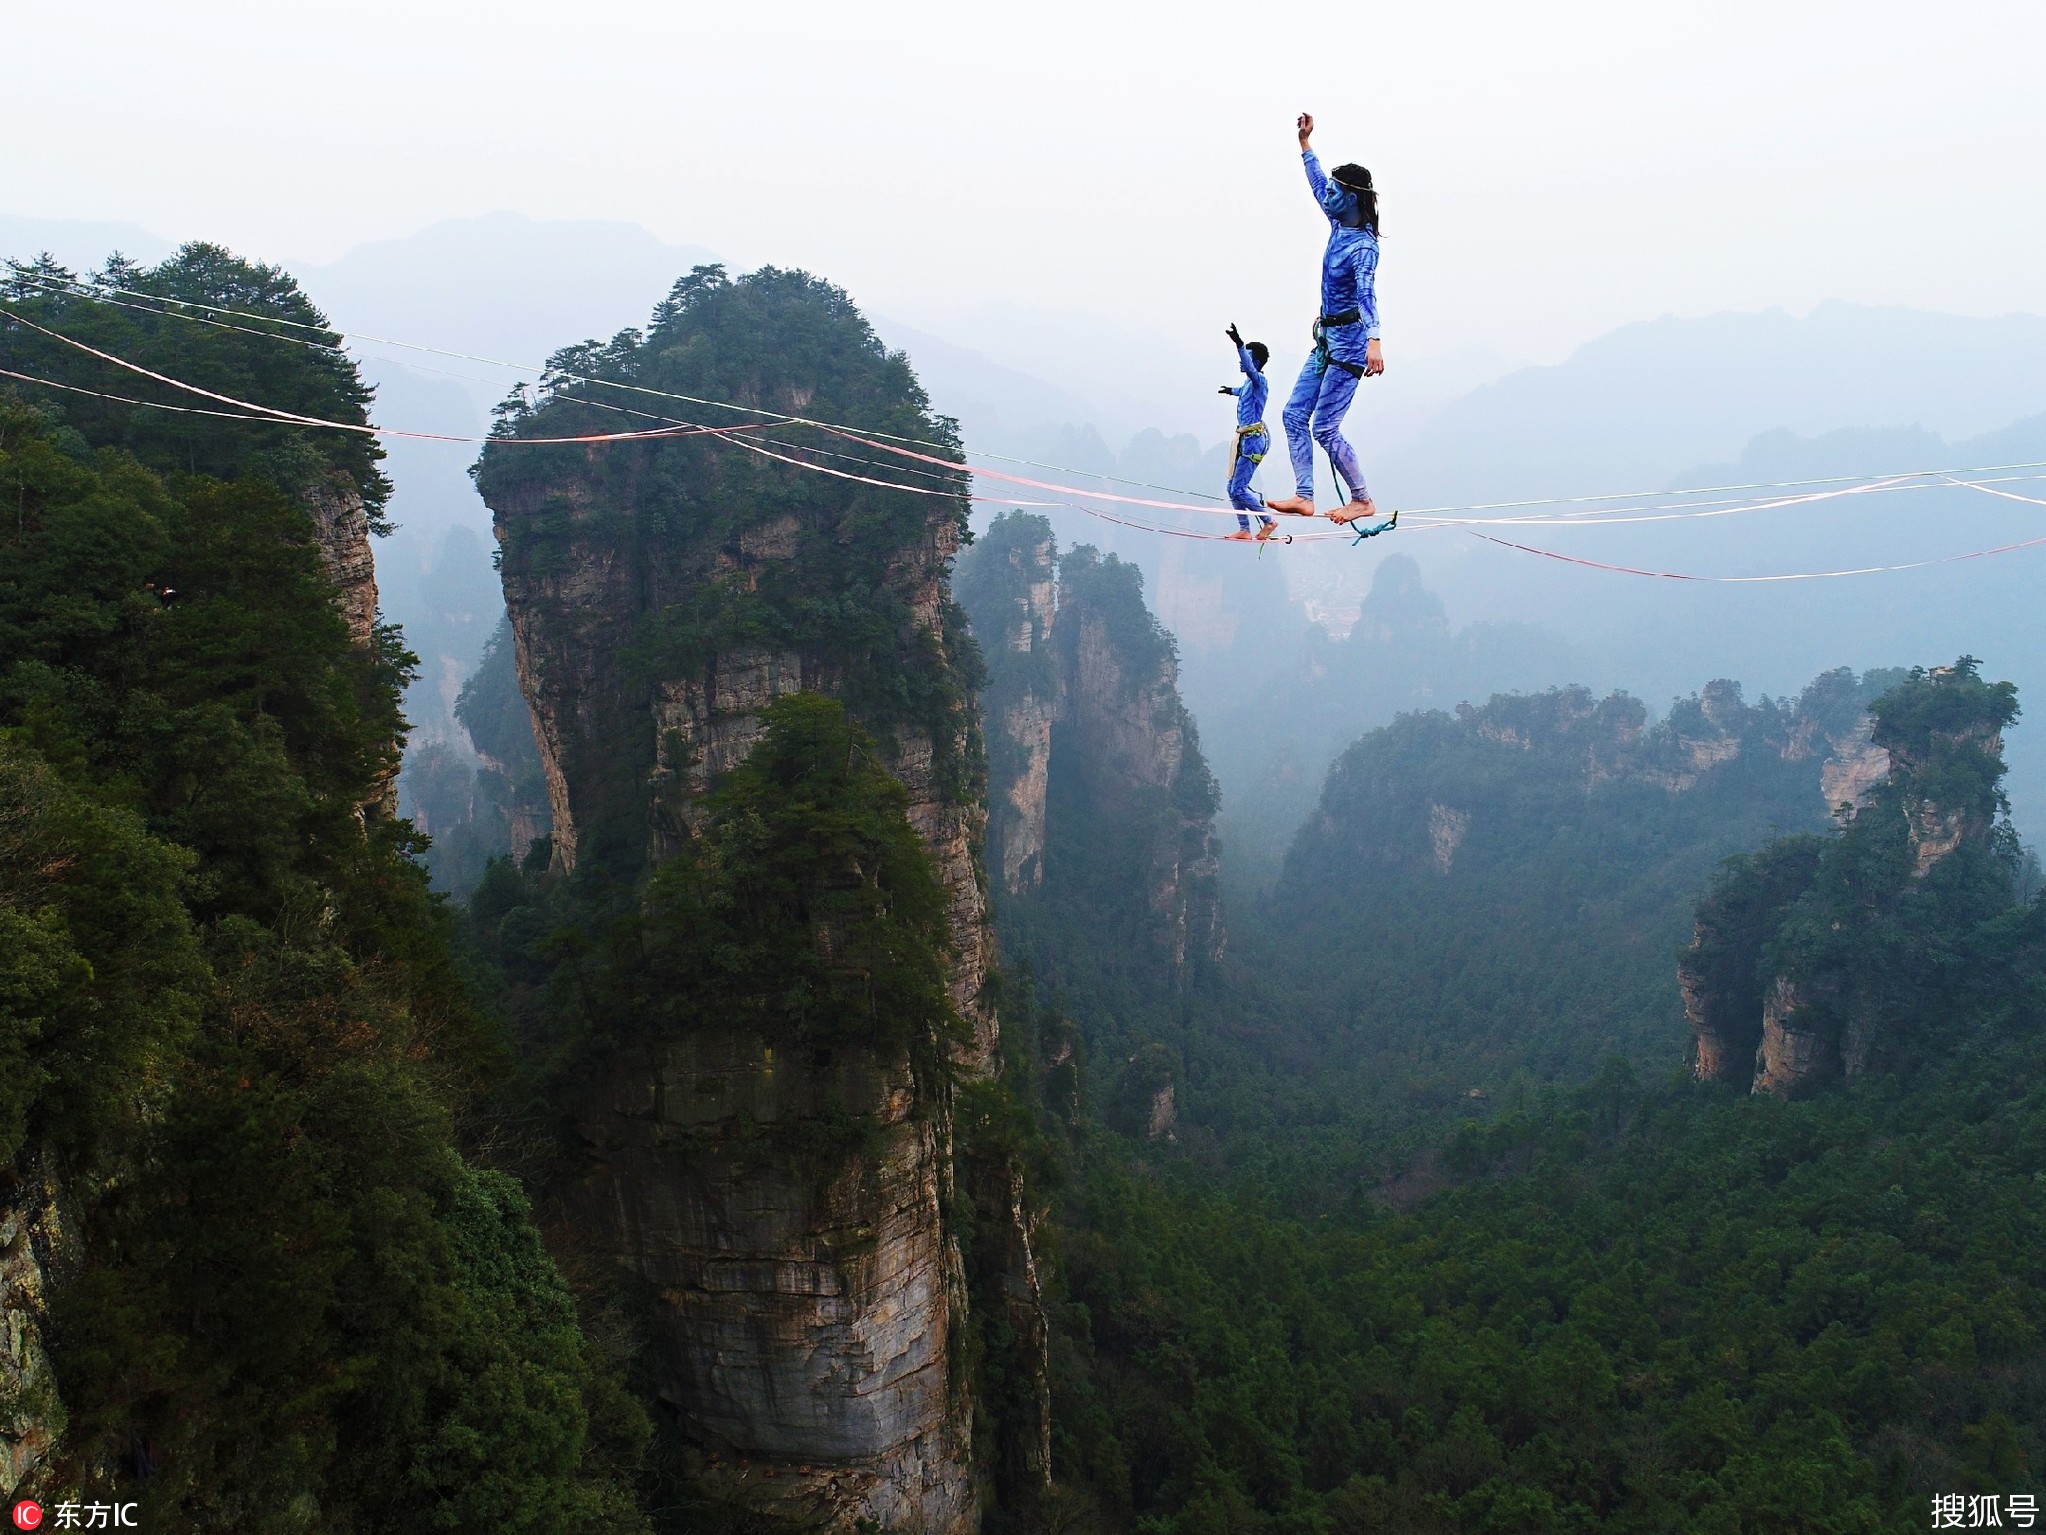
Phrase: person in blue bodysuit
pixel 1345 337
pixel 1253 440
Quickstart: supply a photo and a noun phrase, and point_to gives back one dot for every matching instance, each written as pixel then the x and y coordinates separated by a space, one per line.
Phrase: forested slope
pixel 1625 1306
pixel 1492 897
pixel 252 1280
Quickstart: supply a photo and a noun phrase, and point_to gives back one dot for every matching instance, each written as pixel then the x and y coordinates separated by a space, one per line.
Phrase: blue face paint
pixel 1338 201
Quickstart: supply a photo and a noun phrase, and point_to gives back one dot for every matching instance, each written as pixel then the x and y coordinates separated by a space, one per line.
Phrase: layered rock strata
pixel 1720 973
pixel 806 1305
pixel 1797 1047
pixel 706 724
pixel 341 531
pixel 1854 768
pixel 1007 1256
pixel 1021 703
pixel 1724 1033
pixel 806 1313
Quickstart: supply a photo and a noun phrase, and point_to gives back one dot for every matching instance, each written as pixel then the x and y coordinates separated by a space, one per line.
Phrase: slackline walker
pixel 1253 439
pixel 1345 338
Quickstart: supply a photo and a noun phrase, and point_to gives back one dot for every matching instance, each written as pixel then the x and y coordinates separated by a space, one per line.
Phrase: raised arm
pixel 1315 179
pixel 1242 352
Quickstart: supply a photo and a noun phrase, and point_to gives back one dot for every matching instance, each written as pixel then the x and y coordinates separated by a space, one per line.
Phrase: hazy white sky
pixel 1548 171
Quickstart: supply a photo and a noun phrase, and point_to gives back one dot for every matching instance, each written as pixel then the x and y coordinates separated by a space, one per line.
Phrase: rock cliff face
pixel 341 526
pixel 810 1304
pixel 1446 830
pixel 341 529
pixel 1132 750
pixel 1727 1000
pixel 1094 760
pixel 508 795
pixel 1855 767
pixel 806 1306
pixel 1009 590
pixel 1724 1037
pixel 33 1246
pixel 1803 950
pixel 1941 821
pixel 1800 1045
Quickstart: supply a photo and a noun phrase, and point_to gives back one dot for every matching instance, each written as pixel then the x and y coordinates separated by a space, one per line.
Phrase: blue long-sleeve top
pixel 1349 266
pixel 1252 392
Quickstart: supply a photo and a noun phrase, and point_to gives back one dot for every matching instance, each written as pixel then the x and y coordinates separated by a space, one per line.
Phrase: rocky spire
pixel 1805 951
pixel 809 1305
pixel 1095 766
pixel 1008 588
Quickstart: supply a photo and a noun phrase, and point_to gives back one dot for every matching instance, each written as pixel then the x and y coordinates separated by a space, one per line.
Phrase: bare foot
pixel 1360 510
pixel 1241 535
pixel 1267 530
pixel 1293 506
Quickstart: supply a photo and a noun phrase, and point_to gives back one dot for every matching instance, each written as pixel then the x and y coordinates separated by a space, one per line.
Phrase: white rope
pixel 1427 517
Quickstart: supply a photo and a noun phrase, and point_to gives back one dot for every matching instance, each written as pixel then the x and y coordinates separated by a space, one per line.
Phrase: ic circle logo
pixel 28 1515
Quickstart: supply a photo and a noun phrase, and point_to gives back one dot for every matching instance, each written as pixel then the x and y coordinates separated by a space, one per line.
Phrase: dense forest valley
pixel 845 1090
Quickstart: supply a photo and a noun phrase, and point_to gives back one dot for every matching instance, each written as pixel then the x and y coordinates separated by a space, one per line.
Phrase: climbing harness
pixel 1323 324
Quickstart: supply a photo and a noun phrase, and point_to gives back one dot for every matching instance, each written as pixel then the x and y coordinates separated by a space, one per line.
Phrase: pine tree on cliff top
pixel 258 353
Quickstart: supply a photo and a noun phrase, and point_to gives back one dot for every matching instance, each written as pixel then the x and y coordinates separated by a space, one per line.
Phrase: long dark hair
pixel 1358 180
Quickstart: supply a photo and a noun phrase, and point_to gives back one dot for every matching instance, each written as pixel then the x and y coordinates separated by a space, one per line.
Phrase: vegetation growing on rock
pixel 235 1040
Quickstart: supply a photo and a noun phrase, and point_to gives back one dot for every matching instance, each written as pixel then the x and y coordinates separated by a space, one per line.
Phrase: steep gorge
pixel 1101 839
